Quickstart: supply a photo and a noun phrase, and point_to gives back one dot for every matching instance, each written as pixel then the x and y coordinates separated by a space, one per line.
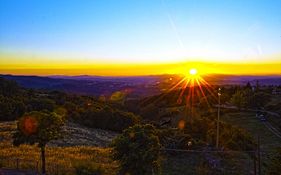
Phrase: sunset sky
pixel 140 37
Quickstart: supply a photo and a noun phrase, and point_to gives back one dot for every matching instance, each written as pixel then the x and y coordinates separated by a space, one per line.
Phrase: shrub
pixel 107 118
pixel 137 150
pixel 175 139
pixel 40 104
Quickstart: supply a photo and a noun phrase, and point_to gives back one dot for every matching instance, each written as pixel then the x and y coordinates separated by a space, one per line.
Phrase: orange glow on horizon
pixel 24 65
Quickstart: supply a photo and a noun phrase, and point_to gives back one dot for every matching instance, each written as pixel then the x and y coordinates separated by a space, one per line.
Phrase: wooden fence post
pixel 17 163
pixel 37 166
pixel 255 164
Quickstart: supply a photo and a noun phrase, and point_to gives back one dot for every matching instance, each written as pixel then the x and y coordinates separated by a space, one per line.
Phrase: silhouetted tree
pixel 8 87
pixel 38 128
pixel 248 86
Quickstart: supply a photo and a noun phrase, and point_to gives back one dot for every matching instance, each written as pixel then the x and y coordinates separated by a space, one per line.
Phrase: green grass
pixel 247 120
pixel 254 126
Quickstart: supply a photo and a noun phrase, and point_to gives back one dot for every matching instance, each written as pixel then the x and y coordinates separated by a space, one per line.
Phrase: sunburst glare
pixel 192 88
pixel 193 71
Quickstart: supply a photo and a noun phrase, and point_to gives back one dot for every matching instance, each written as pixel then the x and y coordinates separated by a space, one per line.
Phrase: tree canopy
pixel 38 128
pixel 137 150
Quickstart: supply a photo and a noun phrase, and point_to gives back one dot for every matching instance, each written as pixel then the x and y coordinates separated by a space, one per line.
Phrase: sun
pixel 193 71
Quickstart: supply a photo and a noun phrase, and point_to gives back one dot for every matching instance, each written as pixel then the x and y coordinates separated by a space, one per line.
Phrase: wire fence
pixel 211 162
pixel 174 162
pixel 32 167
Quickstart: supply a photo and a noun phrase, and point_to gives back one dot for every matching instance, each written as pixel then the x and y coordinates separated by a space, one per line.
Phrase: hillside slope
pixel 75 135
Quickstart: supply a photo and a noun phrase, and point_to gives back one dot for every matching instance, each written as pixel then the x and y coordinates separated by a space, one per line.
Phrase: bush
pixel 137 150
pixel 10 108
pixel 107 118
pixel 40 104
pixel 87 168
pixel 175 139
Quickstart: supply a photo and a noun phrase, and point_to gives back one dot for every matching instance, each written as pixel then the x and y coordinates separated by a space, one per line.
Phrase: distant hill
pixel 90 85
pixel 124 79
pixel 136 86
pixel 220 79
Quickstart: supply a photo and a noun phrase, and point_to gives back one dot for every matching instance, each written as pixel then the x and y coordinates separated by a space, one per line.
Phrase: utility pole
pixel 218 119
pixel 255 162
pixel 259 156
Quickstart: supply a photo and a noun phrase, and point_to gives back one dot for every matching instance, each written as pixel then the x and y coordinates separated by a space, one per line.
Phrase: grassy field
pixel 247 120
pixel 63 160
pixel 60 160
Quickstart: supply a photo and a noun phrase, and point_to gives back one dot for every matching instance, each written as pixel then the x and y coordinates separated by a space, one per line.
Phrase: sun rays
pixel 193 90
pixel 188 93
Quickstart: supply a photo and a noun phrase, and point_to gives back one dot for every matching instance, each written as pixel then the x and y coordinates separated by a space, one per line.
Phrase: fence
pixel 31 166
pixel 174 162
pixel 213 162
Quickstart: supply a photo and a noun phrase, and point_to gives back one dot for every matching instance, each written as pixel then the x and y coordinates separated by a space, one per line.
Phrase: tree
pixel 11 108
pixel 261 99
pixel 40 104
pixel 38 128
pixel 238 99
pixel 138 150
pixel 248 86
pixel 8 88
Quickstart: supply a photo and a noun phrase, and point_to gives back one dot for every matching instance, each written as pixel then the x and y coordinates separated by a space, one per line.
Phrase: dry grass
pixel 60 160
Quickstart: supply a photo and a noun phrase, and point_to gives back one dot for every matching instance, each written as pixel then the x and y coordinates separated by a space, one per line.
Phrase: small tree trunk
pixel 43 160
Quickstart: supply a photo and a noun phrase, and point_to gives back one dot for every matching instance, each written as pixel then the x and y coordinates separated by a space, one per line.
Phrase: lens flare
pixel 189 92
pixel 193 90
pixel 28 125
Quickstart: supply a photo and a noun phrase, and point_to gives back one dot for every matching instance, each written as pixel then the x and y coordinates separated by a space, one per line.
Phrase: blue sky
pixel 142 31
